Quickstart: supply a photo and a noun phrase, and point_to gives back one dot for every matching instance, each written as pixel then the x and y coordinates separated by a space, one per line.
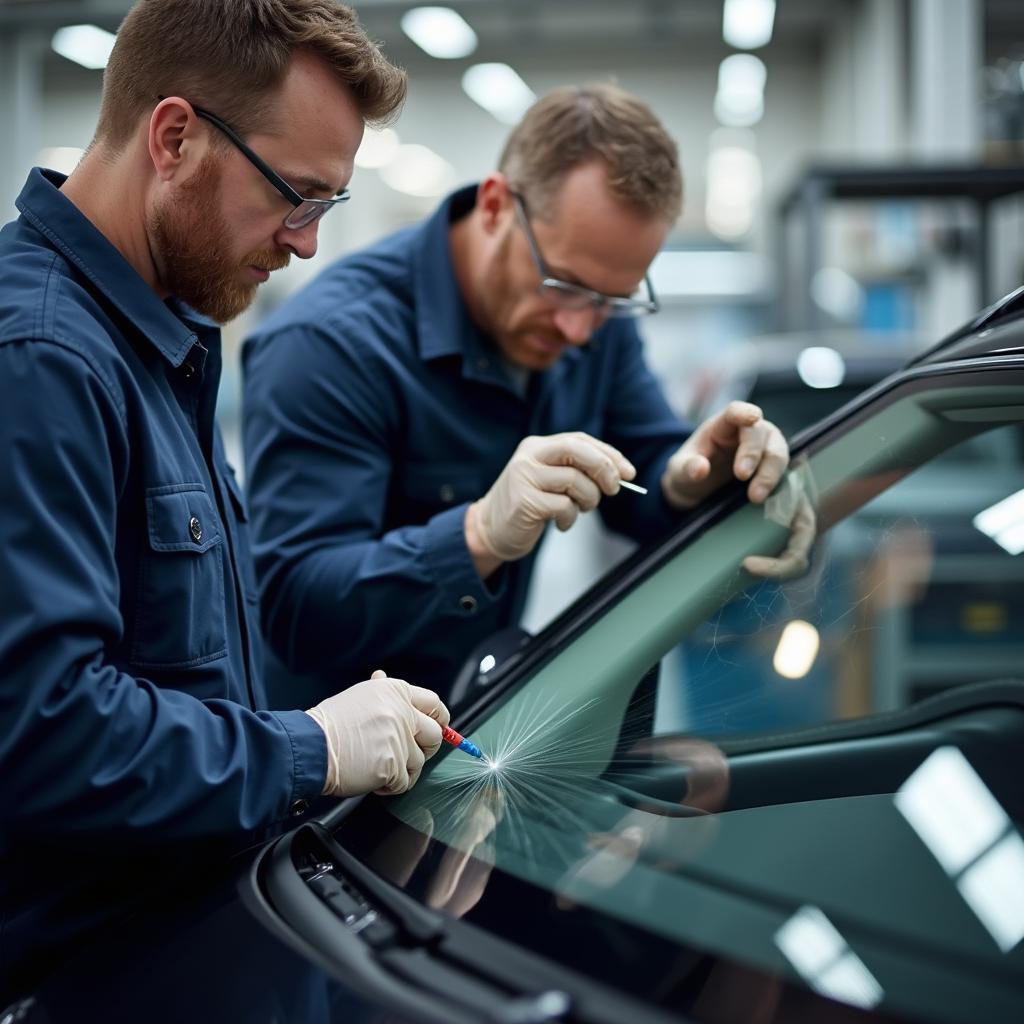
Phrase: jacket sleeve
pixel 639 422
pixel 84 747
pixel 339 585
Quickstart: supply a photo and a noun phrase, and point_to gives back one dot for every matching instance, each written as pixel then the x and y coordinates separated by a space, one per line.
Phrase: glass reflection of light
pixel 820 954
pixel 994 890
pixel 797 649
pixel 971 836
pixel 821 367
pixel 1004 523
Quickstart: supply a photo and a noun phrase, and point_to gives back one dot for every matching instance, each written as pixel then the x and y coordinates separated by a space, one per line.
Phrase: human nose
pixel 577 325
pixel 300 241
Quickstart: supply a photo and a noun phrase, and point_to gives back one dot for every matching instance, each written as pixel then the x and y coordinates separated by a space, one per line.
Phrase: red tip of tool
pixel 450 736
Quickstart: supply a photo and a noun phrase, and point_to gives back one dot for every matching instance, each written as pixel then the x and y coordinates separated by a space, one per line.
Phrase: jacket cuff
pixel 463 593
pixel 309 759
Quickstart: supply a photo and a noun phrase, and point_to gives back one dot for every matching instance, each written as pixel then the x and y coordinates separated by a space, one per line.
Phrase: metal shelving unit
pixel 819 186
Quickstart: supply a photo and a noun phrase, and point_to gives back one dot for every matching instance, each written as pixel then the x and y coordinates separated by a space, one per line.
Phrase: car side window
pixel 912 593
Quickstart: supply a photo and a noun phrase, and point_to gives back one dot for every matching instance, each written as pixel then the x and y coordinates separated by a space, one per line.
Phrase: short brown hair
pixel 576 124
pixel 230 55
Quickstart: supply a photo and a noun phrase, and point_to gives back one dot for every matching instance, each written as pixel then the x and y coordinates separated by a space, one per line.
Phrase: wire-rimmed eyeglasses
pixel 306 210
pixel 565 295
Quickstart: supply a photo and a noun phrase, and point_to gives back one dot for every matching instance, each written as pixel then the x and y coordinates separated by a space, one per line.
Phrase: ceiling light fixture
pixel 418 171
pixel 439 31
pixel 378 148
pixel 739 101
pixel 88 45
pixel 499 90
pixel 748 24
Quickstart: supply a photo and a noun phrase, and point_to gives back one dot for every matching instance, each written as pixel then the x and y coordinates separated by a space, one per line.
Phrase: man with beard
pixel 417 416
pixel 133 729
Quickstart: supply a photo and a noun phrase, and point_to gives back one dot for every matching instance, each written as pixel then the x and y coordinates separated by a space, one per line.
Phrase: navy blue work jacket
pixel 375 412
pixel 130 669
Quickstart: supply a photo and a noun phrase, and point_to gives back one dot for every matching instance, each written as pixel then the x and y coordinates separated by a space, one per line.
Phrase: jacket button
pixel 196 529
pixel 298 808
pixel 447 492
pixel 188 371
pixel 467 603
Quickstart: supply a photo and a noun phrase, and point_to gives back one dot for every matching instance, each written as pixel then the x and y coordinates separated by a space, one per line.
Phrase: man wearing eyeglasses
pixel 417 416
pixel 134 735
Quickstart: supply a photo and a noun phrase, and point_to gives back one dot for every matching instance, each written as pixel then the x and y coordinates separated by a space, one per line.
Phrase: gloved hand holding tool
pixel 547 478
pixel 380 733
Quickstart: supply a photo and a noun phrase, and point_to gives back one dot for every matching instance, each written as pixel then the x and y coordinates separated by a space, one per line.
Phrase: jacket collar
pixel 444 326
pixel 68 230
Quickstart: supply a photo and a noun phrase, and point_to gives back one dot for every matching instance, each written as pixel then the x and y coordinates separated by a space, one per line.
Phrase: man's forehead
pixel 587 231
pixel 315 123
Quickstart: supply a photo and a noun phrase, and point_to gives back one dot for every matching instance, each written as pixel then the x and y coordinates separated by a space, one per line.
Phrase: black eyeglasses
pixel 564 295
pixel 306 210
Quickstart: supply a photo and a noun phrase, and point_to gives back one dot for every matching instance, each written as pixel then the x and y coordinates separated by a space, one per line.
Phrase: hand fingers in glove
pixel 397 772
pixel 626 468
pixel 762 457
pixel 572 482
pixel 558 507
pixel 426 733
pixel 414 765
pixel 795 559
pixel 429 703
pixel 602 463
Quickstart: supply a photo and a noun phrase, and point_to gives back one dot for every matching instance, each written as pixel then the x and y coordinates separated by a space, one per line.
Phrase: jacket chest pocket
pixel 179 615
pixel 430 489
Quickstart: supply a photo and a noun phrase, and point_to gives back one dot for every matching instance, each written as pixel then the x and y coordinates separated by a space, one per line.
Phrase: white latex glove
pixel 554 477
pixel 737 442
pixel 379 734
pixel 791 505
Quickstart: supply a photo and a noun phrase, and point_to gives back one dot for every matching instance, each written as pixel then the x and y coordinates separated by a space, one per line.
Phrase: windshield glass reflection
pixel 623 776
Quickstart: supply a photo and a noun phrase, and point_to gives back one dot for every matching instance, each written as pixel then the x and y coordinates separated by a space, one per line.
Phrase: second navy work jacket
pixel 132 729
pixel 375 412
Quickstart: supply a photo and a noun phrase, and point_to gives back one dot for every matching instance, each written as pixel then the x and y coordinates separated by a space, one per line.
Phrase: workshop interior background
pixel 783 242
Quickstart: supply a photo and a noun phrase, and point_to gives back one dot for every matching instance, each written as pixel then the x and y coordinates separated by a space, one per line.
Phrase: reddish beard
pixel 189 235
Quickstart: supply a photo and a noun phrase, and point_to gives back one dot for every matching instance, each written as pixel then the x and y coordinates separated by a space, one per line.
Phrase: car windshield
pixel 622 777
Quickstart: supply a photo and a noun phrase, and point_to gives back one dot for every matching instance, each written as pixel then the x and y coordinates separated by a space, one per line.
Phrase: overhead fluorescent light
pixel 739 101
pixel 797 650
pixel 88 45
pixel 748 24
pixel 439 31
pixel 378 148
pixel 418 171
pixel 821 367
pixel 499 90
pixel 733 190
